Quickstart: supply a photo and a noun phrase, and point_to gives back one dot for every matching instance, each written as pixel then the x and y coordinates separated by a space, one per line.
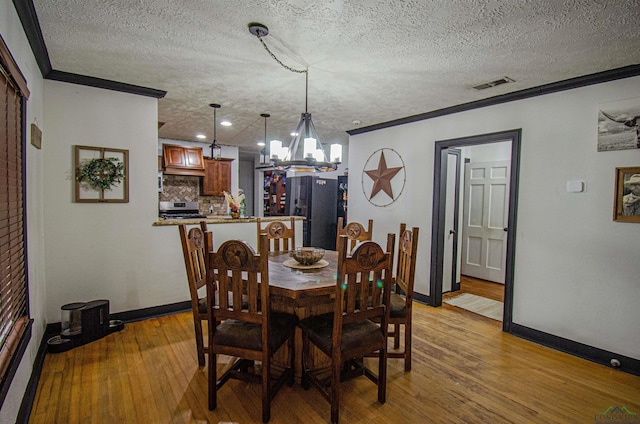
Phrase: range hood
pixel 182 160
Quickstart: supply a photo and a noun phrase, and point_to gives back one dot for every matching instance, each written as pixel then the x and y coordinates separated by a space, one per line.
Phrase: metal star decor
pixel 382 177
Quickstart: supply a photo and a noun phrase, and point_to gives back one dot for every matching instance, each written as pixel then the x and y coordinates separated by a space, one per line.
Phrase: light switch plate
pixel 575 186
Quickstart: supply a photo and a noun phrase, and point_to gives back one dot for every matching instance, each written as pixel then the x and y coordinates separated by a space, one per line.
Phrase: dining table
pixel 300 285
pixel 305 291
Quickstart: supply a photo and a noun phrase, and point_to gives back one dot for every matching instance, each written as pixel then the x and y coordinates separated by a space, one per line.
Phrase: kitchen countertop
pixel 222 219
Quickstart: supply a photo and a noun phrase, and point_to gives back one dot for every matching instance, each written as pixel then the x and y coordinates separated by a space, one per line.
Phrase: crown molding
pixel 103 83
pixel 28 17
pixel 554 87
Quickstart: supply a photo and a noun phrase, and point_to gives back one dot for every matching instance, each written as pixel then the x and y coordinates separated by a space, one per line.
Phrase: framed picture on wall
pixel 619 125
pixel 101 175
pixel 627 199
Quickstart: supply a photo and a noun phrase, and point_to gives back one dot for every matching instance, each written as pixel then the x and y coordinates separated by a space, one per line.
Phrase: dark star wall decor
pixel 380 179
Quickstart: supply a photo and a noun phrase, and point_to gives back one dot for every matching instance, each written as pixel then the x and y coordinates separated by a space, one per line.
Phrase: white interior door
pixel 449 233
pixel 484 230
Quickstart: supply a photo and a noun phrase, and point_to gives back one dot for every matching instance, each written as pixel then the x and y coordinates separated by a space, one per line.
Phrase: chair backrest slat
pixel 237 289
pixel 253 294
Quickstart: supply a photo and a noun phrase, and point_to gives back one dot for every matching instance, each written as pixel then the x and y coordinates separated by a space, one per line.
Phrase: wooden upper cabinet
pixel 173 156
pixel 181 160
pixel 193 157
pixel 217 177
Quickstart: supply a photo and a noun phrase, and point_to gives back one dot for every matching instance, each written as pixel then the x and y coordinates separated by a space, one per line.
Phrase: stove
pixel 179 210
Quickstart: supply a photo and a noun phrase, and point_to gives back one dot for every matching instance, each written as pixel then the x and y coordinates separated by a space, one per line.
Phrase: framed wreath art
pixel 101 175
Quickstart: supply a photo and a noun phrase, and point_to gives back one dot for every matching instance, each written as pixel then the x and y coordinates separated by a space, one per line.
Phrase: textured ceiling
pixel 368 60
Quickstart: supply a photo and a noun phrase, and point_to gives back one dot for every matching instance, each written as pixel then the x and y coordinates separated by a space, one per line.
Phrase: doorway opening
pixel 439 221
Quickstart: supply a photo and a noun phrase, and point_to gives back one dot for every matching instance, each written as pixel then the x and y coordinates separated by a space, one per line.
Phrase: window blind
pixel 13 281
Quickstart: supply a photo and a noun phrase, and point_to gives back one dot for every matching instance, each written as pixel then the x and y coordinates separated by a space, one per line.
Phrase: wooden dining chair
pixel 402 294
pixel 355 232
pixel 280 238
pixel 246 328
pixel 193 249
pixel 349 333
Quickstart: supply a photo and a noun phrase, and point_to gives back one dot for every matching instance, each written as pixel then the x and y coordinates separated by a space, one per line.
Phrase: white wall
pixel 576 271
pixel 104 251
pixel 13 35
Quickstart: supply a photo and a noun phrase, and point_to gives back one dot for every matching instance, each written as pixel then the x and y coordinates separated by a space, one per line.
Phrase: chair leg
pixel 292 358
pixel 335 390
pixel 304 378
pixel 382 376
pixel 213 395
pixel 407 346
pixel 199 341
pixel 396 336
pixel 266 388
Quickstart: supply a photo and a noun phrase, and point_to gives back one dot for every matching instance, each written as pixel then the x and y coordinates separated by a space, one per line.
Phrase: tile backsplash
pixel 179 188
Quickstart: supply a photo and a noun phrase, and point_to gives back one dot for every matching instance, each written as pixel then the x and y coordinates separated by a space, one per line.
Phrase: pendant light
pixel 264 156
pixel 305 152
pixel 216 150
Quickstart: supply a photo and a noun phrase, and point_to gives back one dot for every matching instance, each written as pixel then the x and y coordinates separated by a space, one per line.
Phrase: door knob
pixel 506 229
pixel 452 231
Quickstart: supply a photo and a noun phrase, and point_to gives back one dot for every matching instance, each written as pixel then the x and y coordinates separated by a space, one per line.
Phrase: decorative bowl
pixel 307 255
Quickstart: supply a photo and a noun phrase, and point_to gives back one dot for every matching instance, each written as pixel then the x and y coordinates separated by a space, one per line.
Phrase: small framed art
pixel 626 207
pixel 101 175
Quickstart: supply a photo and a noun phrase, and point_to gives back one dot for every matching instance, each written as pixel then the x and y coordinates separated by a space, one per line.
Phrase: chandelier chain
pixel 289 68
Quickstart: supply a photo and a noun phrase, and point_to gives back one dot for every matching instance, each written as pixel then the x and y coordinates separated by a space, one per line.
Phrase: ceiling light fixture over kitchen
pixel 305 152
pixel 216 150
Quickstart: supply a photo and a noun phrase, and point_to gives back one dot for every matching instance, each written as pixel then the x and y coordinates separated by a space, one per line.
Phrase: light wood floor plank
pixel 465 370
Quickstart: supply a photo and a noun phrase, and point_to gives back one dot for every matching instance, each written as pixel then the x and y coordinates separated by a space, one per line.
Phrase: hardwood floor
pixel 479 287
pixel 465 370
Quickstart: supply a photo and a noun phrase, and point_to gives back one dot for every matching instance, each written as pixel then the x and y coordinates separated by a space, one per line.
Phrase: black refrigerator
pixel 314 198
pixel 343 198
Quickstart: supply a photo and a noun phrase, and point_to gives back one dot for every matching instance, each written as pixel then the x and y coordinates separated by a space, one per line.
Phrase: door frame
pixel 438 214
pixel 455 284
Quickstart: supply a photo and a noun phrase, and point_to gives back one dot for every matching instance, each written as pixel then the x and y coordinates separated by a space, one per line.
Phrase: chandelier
pixel 305 152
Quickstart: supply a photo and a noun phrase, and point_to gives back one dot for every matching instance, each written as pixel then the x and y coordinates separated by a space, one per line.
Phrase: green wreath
pixel 101 174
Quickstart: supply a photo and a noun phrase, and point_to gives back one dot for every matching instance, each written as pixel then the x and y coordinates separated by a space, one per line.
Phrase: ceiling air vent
pixel 501 81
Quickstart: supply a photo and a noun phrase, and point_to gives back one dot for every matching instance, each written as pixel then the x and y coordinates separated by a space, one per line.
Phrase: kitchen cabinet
pixel 181 160
pixel 217 177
